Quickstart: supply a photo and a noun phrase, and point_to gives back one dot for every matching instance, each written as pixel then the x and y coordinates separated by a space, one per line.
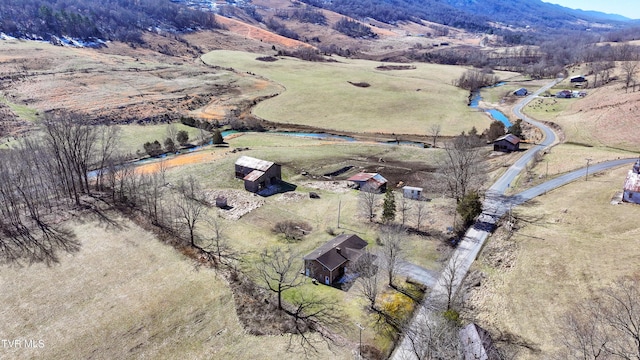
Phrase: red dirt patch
pixel 255 33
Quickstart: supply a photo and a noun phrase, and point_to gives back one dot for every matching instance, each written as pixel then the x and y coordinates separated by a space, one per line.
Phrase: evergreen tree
pixel 217 137
pixel 516 129
pixel 389 206
pixel 469 208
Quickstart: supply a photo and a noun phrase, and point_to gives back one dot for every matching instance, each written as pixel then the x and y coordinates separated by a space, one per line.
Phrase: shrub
pixel 183 137
pixel 292 229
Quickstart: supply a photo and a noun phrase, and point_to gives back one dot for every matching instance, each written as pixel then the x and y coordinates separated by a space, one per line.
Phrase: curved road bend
pixel 495 205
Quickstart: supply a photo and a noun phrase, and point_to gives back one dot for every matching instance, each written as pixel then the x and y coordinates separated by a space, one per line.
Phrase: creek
pixel 476 97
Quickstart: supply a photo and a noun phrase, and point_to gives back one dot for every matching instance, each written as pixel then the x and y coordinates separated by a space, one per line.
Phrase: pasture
pixel 150 301
pixel 126 295
pixel 323 95
pixel 569 243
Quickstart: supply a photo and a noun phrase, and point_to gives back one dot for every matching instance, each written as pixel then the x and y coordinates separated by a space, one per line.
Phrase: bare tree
pixel 279 270
pixel 420 214
pixel 450 280
pixel 405 208
pixel 188 214
pixel 393 251
pixel 434 132
pixel 172 132
pixel 431 336
pixel 72 143
pixel 629 68
pixel 162 170
pixel 607 326
pixel 108 143
pixel 368 201
pixel 461 166
pixel 369 278
pixel 219 242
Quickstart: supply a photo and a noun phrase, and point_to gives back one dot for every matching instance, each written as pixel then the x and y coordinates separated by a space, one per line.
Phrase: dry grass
pixel 118 83
pixel 126 295
pixel 319 95
pixel 605 117
pixel 571 242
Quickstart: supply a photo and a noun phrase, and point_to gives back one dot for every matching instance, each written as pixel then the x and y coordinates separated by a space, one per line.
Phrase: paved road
pixel 494 206
pixel 426 277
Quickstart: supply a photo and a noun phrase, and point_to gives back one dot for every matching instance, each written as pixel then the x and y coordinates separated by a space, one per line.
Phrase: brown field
pixel 605 117
pixel 139 88
pixel 569 243
pixel 126 295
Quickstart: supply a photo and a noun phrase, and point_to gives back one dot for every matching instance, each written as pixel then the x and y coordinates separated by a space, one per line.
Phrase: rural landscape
pixel 277 179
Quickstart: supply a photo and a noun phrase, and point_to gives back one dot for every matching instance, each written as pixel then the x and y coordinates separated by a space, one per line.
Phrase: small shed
pixel 507 143
pixel 221 202
pixel 631 191
pixel 411 192
pixel 329 262
pixel 373 181
pixel 257 174
pixel 521 92
pixel 578 79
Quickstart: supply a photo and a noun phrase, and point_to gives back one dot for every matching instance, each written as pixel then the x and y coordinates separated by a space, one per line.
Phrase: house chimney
pixel 339 250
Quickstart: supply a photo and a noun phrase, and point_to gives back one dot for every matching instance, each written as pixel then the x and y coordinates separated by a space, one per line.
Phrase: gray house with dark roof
pixel 257 174
pixel 329 262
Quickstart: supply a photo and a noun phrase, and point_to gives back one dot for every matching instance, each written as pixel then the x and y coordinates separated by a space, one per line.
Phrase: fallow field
pixel 326 95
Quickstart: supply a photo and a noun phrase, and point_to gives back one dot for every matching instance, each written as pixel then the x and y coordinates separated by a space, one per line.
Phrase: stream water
pixel 495 114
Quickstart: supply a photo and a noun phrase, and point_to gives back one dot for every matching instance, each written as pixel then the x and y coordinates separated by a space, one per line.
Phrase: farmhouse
pixel 631 191
pixel 507 143
pixel 257 174
pixel 521 92
pixel 411 192
pixel 564 94
pixel 329 262
pixel 371 181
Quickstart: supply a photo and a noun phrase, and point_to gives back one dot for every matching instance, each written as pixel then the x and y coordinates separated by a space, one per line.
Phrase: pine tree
pixel 389 206
pixel 217 137
pixel 469 208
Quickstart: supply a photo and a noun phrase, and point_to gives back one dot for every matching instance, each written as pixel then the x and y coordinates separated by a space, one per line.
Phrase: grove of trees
pixel 107 20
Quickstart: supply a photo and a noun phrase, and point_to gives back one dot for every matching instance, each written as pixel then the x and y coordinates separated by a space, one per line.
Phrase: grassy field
pixel 571 242
pixel 547 108
pixel 213 167
pixel 22 111
pixel 126 295
pixel 398 101
pixel 133 137
pixel 316 157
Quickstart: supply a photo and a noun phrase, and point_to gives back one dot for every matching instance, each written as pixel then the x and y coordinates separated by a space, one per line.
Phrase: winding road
pixel 496 204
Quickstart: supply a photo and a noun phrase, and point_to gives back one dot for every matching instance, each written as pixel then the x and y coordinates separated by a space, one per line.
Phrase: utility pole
pixel 586 175
pixel 339 205
pixel 547 174
pixel 360 346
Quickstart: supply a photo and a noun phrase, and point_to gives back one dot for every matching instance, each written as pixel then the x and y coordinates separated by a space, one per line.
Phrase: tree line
pixel 107 20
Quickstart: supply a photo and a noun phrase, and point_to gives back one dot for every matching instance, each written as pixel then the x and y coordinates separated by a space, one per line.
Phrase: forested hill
pixel 475 15
pixel 97 19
